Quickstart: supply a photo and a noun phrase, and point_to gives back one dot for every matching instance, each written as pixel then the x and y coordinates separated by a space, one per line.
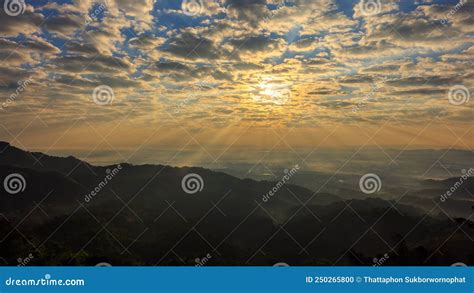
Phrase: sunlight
pixel 273 91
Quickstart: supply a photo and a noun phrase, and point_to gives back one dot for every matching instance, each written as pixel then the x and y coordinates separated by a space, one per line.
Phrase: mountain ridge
pixel 227 218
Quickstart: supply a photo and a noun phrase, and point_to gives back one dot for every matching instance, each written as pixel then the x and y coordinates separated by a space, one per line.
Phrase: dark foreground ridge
pixel 68 212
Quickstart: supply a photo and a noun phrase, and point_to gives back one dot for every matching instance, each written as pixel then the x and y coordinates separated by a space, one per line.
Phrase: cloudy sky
pixel 214 76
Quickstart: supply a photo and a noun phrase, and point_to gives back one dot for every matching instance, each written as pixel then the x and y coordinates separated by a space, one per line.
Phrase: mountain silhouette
pixel 70 212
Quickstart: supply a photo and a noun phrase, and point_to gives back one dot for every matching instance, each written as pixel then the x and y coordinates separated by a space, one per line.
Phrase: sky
pixel 116 77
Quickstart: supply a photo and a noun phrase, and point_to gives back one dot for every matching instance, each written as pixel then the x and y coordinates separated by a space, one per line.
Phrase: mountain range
pixel 69 212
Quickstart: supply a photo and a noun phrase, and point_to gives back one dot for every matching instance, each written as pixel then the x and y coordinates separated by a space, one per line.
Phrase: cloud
pixel 27 23
pixel 190 46
pixel 30 51
pixel 146 43
pixel 166 66
pixel 252 12
pixel 238 56
pixel 64 25
pixel 99 64
pixel 74 47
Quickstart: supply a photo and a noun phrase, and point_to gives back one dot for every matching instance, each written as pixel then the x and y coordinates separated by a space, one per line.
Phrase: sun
pixel 271 90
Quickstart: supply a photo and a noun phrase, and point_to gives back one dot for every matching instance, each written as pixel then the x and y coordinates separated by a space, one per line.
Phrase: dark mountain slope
pixel 142 215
